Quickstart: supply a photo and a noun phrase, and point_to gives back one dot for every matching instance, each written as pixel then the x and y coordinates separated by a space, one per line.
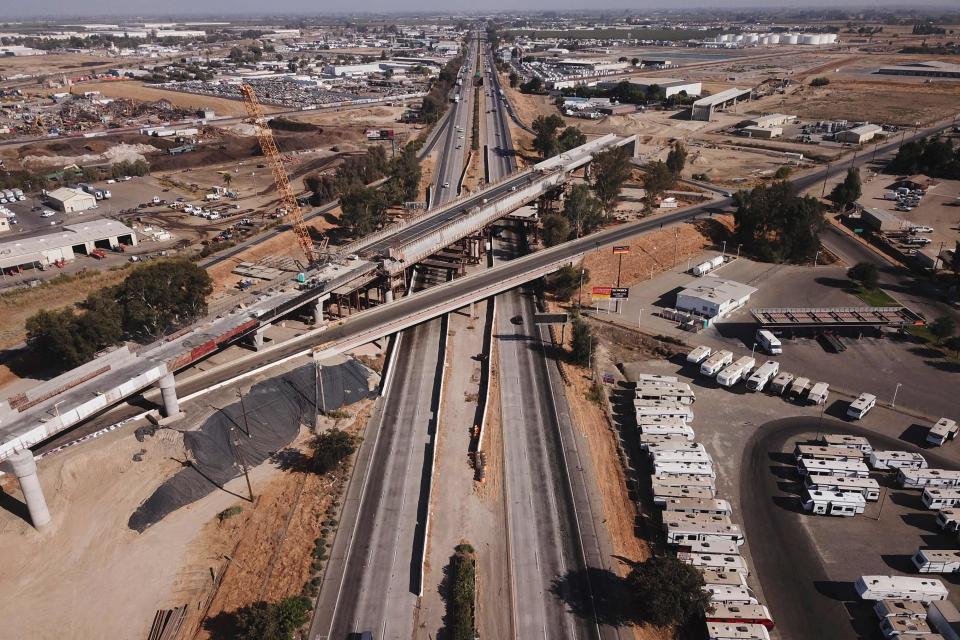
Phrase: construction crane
pixel 269 147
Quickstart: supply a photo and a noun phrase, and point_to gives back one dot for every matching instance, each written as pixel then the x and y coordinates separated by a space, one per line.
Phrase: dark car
pixel 516 320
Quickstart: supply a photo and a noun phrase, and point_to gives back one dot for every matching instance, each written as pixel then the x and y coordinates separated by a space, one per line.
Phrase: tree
pixel 775 224
pixel 865 273
pixel 55 337
pixel 272 621
pixel 323 188
pixel 657 180
pixel 364 209
pixel 845 194
pixel 635 61
pixel 556 229
pixel 514 79
pixel 227 178
pixel 583 212
pixel 534 85
pixel 567 280
pixel 570 138
pixel 667 591
pixel 545 128
pixel 581 344
pixel 677 158
pixel 611 169
pixel 330 448
pixel 163 295
pixel 782 173
pixel 942 328
pixel 819 82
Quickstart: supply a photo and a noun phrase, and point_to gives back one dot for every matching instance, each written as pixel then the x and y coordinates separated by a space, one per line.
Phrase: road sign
pixel 608 378
pixel 550 318
pixel 380 134
pixel 601 292
pixel 619 249
pixel 620 293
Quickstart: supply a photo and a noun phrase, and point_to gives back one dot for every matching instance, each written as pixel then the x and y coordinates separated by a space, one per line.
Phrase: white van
pixel 859 407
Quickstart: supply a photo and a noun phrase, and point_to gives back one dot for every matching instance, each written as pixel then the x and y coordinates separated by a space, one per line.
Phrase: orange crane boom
pixel 269 147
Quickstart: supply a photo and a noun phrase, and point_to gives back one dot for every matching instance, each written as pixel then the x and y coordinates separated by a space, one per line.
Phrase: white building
pixel 65 244
pixel 71 200
pixel 713 297
pixel 351 70
pixel 859 135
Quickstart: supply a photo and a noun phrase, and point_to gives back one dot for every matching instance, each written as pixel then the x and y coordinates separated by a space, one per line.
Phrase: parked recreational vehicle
pixel 900 588
pixel 656 378
pixel 677 392
pixel 679 518
pixel 717 361
pixel 736 372
pixel 648 408
pixel 824 452
pixel 936 561
pixel 919 478
pixel 736 631
pixel 780 383
pixel 732 595
pixel 681 533
pixel 900 609
pixel 714 561
pixel 867 487
pixel 945 429
pixel 684 480
pixel 833 503
pixel 844 440
pixel 723 547
pixel 859 407
pixel 904 628
pixel 764 373
pixel 769 342
pixel 699 354
pixel 848 468
pixel 934 498
pixel 818 393
pixel 684 468
pixel 681 455
pixel 712 507
pixel 670 441
pixel 890 460
pixel 949 519
pixel 741 614
pixel 727 578
pixel 798 388
pixel 944 617
pixel 664 494
pixel 679 429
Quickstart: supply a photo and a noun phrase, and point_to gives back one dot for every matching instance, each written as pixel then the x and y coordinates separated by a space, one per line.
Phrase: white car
pixel 446 185
pixel 921 229
pixel 47 214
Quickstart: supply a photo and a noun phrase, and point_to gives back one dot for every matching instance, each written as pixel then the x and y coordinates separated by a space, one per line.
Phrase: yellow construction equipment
pixel 269 147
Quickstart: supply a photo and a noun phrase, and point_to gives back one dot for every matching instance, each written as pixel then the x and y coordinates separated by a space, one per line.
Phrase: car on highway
pixel 446 185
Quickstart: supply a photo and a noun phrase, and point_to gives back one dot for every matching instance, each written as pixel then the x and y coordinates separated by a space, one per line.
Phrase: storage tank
pixel 790 38
pixel 764 40
pixel 809 38
pixel 828 38
pixel 703 268
pixel 774 38
pixel 716 261
pixel 738 38
pixel 752 38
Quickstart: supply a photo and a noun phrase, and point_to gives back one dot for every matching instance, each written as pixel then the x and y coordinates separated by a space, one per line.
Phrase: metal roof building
pixel 834 317
pixel 71 200
pixel 65 244
pixel 704 107
pixel 929 68
pixel 712 297
pixel 859 135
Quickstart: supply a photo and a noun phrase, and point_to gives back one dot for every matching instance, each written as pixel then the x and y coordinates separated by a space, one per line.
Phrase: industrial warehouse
pixel 63 246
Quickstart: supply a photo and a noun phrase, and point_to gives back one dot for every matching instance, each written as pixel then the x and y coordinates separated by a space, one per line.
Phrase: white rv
pixel 818 393
pixel 833 503
pixel 919 478
pixel 723 547
pixel 663 494
pixel 769 342
pixel 859 407
pixel 798 388
pixel 736 372
pixel 934 498
pixel 945 618
pixel 649 408
pixel 905 628
pixel 936 561
pixel 728 578
pixel 949 519
pixel 945 429
pixel 699 354
pixel 826 452
pixel 848 468
pixel 679 429
pixel 679 518
pixel 682 533
pixel 717 361
pixel 759 378
pixel 900 609
pixel 684 469
pixel 684 480
pixel 730 595
pixel 781 382
pixel 740 614
pixel 891 460
pixel 900 588
pixel 867 487
pixel 714 561
pixel 660 456
pixel 844 440
pixel 654 442
pixel 675 392
pixel 736 631
pixel 710 506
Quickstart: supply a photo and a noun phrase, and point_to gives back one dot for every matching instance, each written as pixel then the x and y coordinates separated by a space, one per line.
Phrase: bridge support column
pixel 168 390
pixel 318 312
pixel 257 338
pixel 25 468
pixel 388 294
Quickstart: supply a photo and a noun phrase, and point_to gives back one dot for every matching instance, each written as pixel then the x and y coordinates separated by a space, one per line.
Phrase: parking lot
pixel 870 363
pixel 803 565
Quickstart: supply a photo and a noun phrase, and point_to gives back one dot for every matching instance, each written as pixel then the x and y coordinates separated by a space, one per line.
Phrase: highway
pixel 376 580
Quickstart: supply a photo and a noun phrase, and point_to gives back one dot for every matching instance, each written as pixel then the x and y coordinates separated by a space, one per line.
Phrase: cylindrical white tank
pixel 25 469
pixel 702 268
pixel 774 38
pixel 716 261
pixel 828 38
pixel 725 37
pixel 790 38
pixel 764 40
pixel 808 38
pixel 738 38
pixel 752 38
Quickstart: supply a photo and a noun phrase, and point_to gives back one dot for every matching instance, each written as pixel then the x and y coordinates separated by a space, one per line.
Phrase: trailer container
pixel 684 469
pixel 892 460
pixel 764 373
pixel 818 393
pixel 681 455
pixel 905 628
pixel 825 452
pixel 699 354
pixel 728 578
pixel 848 468
pixel 684 480
pixel 798 388
pixel 731 595
pixel 656 378
pixel 678 392
pixel 679 519
pixel 667 430
pixel 736 372
pixel 867 487
pixel 934 498
pixel 714 561
pixel 937 560
pixel 845 440
pixel 649 408
pixel 859 407
pixel 900 588
pixel 723 547
pixel 663 494
pixel 653 442
pixel 780 383
pixel 833 503
pixel 949 519
pixel 919 478
pixel 710 506
pixel 736 631
pixel 741 614
pixel 769 342
pixel 900 609
pixel 683 532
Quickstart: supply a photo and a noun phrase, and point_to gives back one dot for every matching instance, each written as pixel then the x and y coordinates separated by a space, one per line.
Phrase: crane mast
pixel 269 148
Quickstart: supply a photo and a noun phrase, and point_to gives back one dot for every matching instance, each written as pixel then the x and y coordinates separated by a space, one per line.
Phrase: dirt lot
pixel 73 64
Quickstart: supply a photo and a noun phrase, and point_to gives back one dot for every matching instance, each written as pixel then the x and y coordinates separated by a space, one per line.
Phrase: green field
pixel 617 34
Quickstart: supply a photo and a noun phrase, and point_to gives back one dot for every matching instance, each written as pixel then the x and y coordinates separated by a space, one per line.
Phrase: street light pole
pixel 825 176
pixel 893 402
pixel 723 252
pixel 753 349
pixel 815 257
pixel 738 249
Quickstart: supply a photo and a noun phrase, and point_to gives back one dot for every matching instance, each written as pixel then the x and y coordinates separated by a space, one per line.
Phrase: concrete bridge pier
pixel 25 468
pixel 168 390
pixel 257 337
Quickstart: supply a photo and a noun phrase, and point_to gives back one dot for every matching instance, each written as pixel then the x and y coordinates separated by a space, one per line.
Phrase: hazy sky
pixel 228 8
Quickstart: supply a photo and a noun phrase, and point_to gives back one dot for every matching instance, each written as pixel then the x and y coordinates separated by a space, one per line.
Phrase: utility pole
pixel 243 409
pixel 243 462
pixel 825 176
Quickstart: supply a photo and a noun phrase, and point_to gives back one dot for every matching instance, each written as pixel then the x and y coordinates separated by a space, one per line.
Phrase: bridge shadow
pixel 14 506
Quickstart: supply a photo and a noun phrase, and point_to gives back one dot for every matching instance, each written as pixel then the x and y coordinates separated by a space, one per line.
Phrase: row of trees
pixel 935 158
pixel 626 92
pixel 775 224
pixel 845 194
pixel 463 583
pixel 150 302
pixel 29 181
pixel 436 102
